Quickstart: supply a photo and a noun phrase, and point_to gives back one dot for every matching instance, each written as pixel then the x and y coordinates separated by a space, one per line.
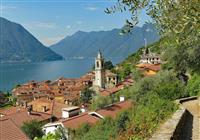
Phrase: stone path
pixel 191 129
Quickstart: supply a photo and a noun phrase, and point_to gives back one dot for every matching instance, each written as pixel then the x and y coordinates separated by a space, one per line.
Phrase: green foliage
pixel 58 135
pixel 108 65
pixel 136 74
pixel 139 122
pixel 122 120
pixel 178 23
pixel 86 95
pixel 193 87
pixel 32 129
pixel 99 102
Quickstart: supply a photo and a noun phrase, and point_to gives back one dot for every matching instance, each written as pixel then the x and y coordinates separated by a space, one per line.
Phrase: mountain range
pixel 18 45
pixel 86 44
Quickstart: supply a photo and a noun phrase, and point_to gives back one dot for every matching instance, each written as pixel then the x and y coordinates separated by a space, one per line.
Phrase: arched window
pixel 97 64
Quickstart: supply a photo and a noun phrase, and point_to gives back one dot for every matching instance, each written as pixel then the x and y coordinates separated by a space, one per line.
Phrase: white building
pixel 150 58
pixel 99 71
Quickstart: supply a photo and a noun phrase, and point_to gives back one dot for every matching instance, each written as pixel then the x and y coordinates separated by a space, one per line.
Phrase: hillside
pixel 17 44
pixel 86 44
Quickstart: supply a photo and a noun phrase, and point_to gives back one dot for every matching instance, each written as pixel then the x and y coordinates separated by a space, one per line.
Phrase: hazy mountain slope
pixel 17 44
pixel 86 44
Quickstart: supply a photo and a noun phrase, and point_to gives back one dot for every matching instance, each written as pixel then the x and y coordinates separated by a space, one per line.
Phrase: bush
pixel 100 102
pixel 32 129
pixel 193 87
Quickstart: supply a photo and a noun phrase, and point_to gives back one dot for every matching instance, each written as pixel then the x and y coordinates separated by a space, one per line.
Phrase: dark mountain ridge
pixel 18 45
pixel 86 44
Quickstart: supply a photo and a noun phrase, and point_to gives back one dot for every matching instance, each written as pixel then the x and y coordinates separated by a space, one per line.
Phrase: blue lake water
pixel 12 74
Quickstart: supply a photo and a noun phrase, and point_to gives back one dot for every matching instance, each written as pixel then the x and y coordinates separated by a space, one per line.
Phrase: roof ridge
pixel 78 116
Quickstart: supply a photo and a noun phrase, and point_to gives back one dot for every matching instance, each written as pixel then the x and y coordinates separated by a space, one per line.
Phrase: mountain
pixel 17 44
pixel 86 44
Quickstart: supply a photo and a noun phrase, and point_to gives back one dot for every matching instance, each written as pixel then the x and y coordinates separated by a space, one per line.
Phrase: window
pixel 97 64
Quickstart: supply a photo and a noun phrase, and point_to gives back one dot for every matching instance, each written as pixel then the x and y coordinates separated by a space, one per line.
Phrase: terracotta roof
pixel 20 115
pixel 143 65
pixel 10 131
pixel 110 74
pixel 52 106
pixel 113 109
pixel 154 67
pixel 77 121
pixel 109 91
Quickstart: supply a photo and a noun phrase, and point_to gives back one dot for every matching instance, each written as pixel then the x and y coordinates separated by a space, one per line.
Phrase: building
pixel 149 57
pixel 99 71
pixel 90 118
pixel 103 78
pixel 12 119
pixel 149 69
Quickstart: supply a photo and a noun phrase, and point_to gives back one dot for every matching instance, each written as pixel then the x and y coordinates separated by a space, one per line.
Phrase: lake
pixel 12 74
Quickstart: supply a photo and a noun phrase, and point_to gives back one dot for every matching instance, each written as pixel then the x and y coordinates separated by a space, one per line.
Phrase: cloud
pixel 101 27
pixel 42 25
pixel 91 8
pixel 148 30
pixel 68 26
pixel 51 40
pixel 45 25
pixel 6 9
pixel 79 22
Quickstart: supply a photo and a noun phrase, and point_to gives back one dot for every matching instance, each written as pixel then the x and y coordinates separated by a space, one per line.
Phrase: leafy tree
pixel 193 87
pixel 108 65
pixel 122 120
pixel 137 75
pixel 100 102
pixel 58 135
pixel 32 129
pixel 86 95
pixel 177 22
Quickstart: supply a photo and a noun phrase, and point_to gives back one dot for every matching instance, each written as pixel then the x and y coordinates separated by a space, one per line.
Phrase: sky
pixel 52 20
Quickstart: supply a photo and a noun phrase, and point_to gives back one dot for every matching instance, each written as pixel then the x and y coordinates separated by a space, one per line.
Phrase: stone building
pixel 99 71
pixel 149 57
pixel 103 78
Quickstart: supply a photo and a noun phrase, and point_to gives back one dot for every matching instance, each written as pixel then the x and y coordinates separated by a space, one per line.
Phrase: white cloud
pixel 91 8
pixel 79 22
pixel 101 27
pixel 45 25
pixel 51 40
pixel 42 25
pixel 7 9
pixel 68 26
pixel 148 30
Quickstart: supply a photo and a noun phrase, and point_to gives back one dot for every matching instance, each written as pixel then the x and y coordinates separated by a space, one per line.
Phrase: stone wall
pixel 171 129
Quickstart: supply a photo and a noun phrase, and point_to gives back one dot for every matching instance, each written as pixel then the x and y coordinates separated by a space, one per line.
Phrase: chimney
pixel 70 111
pixel 121 98
pixel 44 108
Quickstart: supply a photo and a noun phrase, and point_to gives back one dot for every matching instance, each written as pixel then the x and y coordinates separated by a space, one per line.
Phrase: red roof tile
pixel 9 131
pixel 77 121
pixel 114 109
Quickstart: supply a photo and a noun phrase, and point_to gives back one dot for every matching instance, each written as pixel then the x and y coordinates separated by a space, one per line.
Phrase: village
pixel 57 103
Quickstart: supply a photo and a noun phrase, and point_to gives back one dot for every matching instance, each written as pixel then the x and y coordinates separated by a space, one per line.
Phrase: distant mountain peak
pixel 17 44
pixel 86 44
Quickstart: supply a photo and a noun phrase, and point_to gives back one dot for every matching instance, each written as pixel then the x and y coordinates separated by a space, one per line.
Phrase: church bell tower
pixel 99 71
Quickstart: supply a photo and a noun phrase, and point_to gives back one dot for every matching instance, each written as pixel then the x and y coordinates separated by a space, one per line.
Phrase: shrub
pixel 193 87
pixel 32 129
